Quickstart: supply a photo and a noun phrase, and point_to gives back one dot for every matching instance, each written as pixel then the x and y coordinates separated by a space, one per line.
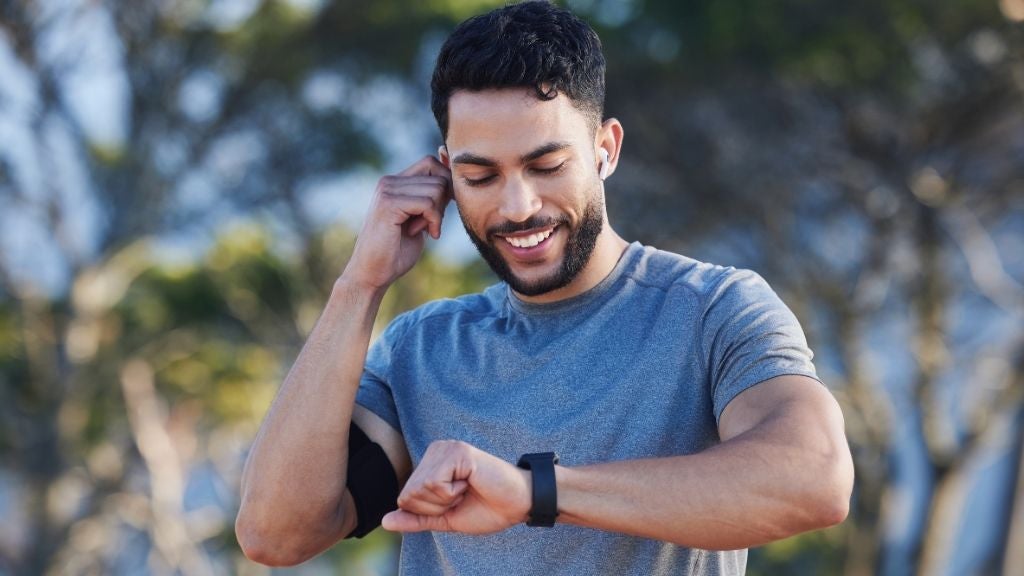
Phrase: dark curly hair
pixel 532 44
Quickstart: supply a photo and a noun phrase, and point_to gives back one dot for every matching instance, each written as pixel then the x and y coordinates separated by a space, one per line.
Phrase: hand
pixel 460 488
pixel 403 207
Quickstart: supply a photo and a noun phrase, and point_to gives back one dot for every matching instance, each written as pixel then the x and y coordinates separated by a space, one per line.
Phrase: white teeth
pixel 528 241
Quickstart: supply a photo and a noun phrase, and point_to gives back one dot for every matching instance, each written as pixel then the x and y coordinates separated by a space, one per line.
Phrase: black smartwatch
pixel 544 509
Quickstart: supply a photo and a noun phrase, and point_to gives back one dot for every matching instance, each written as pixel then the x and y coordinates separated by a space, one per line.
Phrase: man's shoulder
pixel 669 270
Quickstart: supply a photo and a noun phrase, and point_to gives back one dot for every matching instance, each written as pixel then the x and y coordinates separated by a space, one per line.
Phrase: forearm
pixel 742 493
pixel 294 479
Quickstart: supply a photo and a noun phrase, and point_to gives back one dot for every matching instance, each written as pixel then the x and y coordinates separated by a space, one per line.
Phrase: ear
pixel 609 137
pixel 442 155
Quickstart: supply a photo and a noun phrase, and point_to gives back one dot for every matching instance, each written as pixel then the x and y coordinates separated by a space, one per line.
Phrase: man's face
pixel 526 185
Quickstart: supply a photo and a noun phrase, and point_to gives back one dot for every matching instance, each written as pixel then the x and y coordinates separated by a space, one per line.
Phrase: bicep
pixel 793 406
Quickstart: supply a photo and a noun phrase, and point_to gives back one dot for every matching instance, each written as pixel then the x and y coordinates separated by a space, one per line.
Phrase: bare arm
pixel 783 467
pixel 292 492
pixel 294 500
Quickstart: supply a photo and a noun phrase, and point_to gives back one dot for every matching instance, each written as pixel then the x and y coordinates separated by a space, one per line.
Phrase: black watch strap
pixel 544 509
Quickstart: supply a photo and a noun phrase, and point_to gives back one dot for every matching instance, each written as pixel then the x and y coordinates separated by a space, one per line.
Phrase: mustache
pixel 530 223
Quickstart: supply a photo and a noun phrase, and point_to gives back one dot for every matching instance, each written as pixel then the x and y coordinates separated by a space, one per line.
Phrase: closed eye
pixel 552 170
pixel 488 179
pixel 479 181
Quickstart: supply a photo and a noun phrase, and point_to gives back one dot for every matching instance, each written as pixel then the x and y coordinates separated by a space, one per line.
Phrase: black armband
pixel 371 480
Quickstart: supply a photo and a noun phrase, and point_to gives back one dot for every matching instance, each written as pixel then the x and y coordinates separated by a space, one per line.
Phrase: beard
pixel 578 248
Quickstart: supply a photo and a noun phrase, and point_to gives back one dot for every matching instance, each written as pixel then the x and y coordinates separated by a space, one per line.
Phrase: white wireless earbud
pixel 602 171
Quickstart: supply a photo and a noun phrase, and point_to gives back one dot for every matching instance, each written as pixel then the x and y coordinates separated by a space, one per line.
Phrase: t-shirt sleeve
pixel 374 392
pixel 750 336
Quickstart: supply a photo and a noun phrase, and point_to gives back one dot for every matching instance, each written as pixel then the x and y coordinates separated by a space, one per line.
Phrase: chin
pixel 573 257
pixel 538 286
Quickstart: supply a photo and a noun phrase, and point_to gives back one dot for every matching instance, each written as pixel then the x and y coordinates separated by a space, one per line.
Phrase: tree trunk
pixel 864 535
pixel 1013 544
pixel 940 531
pixel 39 448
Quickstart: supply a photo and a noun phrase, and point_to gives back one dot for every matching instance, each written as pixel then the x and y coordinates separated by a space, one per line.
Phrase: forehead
pixel 511 121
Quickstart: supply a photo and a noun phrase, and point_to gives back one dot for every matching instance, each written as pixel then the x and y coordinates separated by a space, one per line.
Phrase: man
pixel 679 396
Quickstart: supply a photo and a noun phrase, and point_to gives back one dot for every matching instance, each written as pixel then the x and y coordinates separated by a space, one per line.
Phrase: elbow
pixel 261 544
pixel 832 511
pixel 828 501
pixel 273 538
pixel 260 547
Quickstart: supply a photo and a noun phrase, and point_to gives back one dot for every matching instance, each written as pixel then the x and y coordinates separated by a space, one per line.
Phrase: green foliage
pixel 14 378
pixel 219 333
pixel 820 553
pixel 840 45
pixel 273 43
pixel 433 278
pixel 11 343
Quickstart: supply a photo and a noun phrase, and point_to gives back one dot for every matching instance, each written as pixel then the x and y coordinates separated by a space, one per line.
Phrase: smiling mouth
pixel 528 241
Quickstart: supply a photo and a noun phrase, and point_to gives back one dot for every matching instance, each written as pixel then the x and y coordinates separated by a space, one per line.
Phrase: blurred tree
pixel 219 110
pixel 198 352
pixel 869 160
pixel 865 157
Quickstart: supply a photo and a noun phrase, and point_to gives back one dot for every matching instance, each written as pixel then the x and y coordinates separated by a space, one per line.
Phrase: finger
pixel 437 189
pixel 435 228
pixel 402 521
pixel 412 495
pixel 445 492
pixel 438 180
pixel 428 165
pixel 414 226
pixel 459 486
pixel 449 189
pixel 424 507
pixel 410 209
pixel 438 493
pixel 403 206
pixel 437 168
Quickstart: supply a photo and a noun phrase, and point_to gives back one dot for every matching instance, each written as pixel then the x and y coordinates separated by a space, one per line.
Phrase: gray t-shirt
pixel 640 366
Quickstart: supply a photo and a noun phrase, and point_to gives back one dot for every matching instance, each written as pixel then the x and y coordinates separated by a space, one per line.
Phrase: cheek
pixel 572 190
pixel 470 211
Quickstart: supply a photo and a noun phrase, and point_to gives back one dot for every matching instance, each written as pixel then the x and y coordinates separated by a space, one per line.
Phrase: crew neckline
pixel 600 289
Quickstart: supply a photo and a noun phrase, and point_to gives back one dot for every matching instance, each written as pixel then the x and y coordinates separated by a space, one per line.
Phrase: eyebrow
pixel 470 158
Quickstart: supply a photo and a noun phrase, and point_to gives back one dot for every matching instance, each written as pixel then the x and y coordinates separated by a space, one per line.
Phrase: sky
pixel 95 91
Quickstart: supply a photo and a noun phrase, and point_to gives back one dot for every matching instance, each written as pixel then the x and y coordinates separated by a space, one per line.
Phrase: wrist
pixel 543 488
pixel 522 511
pixel 348 286
pixel 350 301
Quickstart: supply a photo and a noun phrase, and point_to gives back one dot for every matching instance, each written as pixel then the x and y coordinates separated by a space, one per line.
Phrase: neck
pixel 606 254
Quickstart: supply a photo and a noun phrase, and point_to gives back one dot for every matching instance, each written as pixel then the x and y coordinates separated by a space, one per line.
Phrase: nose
pixel 519 201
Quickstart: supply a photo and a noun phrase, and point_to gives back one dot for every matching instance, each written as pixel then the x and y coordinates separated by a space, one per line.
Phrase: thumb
pixel 402 521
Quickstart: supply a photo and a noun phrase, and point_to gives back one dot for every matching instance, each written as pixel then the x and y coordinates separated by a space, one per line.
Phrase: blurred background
pixel 181 182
